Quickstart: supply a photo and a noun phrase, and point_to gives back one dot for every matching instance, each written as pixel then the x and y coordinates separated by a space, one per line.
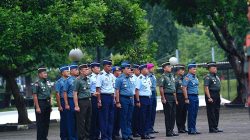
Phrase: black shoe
pixel 169 134
pixel 152 132
pixel 219 130
pixel 197 133
pixel 213 130
pixel 146 137
pixel 191 133
pixel 181 131
pixel 174 134
pixel 136 135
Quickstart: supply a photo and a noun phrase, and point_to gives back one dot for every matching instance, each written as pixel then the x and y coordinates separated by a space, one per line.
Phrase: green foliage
pixel 163 32
pixel 35 32
pixel 195 44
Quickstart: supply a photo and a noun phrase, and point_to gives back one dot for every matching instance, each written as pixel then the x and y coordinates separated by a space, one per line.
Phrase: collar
pixel 105 73
pixel 213 74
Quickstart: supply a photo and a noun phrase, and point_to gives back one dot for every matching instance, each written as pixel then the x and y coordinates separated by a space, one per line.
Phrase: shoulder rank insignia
pixel 186 78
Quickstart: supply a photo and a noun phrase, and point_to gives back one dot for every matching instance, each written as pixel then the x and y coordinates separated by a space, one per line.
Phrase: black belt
pixel 108 94
pixel 44 100
pixel 89 98
pixel 128 97
pixel 169 93
pixel 145 97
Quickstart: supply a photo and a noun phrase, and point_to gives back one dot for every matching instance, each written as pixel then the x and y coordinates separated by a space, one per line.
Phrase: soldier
pixel 151 75
pixel 42 99
pixel 143 94
pixel 190 91
pixel 181 108
pixel 116 129
pixel 82 101
pixel 69 102
pixel 135 120
pixel 95 129
pixel 64 70
pixel 125 101
pixel 212 91
pixel 105 86
pixel 168 98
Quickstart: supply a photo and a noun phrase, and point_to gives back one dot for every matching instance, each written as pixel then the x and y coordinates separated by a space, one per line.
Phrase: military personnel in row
pixel 190 91
pixel 41 91
pixel 181 108
pixel 143 94
pixel 64 72
pixel 105 87
pixel 116 129
pixel 125 100
pixel 168 98
pixel 212 87
pixel 69 102
pixel 152 77
pixel 82 102
pixel 135 123
pixel 95 128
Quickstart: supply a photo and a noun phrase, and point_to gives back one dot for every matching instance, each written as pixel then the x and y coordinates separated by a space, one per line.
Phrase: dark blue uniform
pixel 126 89
pixel 191 82
pixel 63 116
pixel 153 101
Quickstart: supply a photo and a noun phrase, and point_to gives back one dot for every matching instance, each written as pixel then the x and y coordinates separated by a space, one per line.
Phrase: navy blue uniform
pixel 153 101
pixel 191 82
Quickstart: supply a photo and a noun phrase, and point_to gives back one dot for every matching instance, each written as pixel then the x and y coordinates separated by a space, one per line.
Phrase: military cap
pixel 41 69
pixel 211 64
pixel 63 68
pixel 94 64
pixel 125 65
pixel 107 62
pixel 191 65
pixel 83 66
pixel 165 64
pixel 115 68
pixel 143 66
pixel 179 66
pixel 135 66
pixel 73 66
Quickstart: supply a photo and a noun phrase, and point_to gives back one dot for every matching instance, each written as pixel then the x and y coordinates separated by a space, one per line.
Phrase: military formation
pixel 120 102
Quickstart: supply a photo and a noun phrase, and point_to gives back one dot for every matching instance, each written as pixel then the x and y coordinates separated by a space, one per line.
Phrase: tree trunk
pixel 19 100
pixel 241 77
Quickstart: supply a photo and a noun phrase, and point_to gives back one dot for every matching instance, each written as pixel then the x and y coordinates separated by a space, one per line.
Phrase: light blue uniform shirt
pixel 192 83
pixel 68 86
pixel 59 86
pixel 106 82
pixel 124 84
pixel 153 81
pixel 133 79
pixel 144 85
pixel 93 78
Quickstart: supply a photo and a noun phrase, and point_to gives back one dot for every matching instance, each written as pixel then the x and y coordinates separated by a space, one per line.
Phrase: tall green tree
pixel 226 19
pixel 42 32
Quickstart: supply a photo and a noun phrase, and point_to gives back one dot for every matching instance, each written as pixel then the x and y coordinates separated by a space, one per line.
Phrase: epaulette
pixel 36 83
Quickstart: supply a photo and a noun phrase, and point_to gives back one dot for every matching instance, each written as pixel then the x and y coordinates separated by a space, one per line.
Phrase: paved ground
pixel 234 122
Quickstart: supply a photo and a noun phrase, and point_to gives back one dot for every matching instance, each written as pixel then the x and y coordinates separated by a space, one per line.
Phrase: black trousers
pixel 83 119
pixel 181 112
pixel 213 110
pixel 169 112
pixel 43 119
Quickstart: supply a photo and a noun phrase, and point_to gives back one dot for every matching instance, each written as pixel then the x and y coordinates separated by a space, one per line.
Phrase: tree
pixel 42 32
pixel 163 32
pixel 226 19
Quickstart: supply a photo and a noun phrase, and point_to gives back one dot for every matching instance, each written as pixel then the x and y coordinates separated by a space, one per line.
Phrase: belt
pixel 192 94
pixel 128 97
pixel 108 94
pixel 44 100
pixel 89 98
pixel 145 97
pixel 169 93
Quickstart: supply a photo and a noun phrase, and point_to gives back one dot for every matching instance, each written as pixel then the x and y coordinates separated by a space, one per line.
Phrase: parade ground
pixel 234 121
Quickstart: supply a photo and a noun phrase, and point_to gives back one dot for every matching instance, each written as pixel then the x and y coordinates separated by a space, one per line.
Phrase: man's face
pixel 96 70
pixel 248 14
pixel 144 71
pixel 65 73
pixel 136 71
pixel 151 70
pixel 74 72
pixel 117 73
pixel 43 75
pixel 107 68
pixel 84 71
pixel 192 70
pixel 168 68
pixel 181 72
pixel 213 69
pixel 127 71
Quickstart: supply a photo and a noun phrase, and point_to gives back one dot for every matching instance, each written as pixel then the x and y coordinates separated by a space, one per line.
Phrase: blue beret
pixel 125 65
pixel 136 66
pixel 63 68
pixel 107 62
pixel 142 66
pixel 73 66
pixel 94 64
pixel 115 68
pixel 192 65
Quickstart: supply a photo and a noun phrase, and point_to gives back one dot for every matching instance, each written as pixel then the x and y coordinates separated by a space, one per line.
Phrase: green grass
pixel 224 89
